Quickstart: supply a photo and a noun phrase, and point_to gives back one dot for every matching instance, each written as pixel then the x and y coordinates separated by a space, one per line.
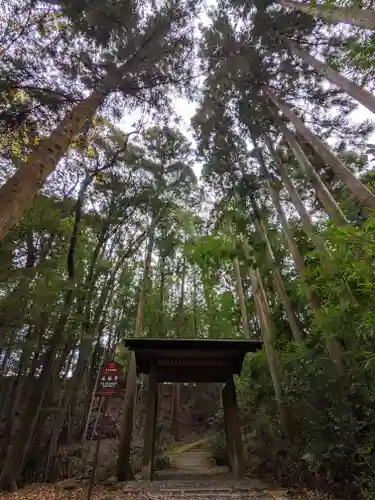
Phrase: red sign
pixel 108 380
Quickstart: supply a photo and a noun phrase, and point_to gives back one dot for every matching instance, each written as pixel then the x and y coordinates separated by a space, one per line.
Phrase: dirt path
pixel 194 461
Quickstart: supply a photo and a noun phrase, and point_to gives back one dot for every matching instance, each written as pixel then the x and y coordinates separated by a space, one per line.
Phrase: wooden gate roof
pixel 191 360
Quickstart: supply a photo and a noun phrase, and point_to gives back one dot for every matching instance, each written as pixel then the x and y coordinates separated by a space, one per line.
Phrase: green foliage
pixel 210 252
pixel 333 423
pixel 352 250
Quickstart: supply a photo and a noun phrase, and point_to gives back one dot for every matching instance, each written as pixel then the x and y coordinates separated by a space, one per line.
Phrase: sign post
pixel 108 380
pixel 108 385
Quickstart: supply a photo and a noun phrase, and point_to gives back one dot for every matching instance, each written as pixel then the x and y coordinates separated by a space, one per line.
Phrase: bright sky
pixel 186 110
pixel 361 114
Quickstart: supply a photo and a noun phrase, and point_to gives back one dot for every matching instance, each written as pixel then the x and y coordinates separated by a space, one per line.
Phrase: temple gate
pixel 178 361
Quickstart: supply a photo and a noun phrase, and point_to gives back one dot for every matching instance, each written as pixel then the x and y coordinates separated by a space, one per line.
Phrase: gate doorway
pixel 184 361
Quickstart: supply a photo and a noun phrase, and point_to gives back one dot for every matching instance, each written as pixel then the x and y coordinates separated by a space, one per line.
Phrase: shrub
pixel 333 424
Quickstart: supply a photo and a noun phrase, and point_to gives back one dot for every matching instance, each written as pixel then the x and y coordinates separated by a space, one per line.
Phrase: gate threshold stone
pixel 197 490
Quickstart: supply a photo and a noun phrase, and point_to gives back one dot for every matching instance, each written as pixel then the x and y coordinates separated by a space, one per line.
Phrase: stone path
pixel 215 487
pixel 194 476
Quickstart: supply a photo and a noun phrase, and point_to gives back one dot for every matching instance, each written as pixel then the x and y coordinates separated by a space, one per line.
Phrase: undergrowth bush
pixel 333 424
pixel 162 442
pixel 218 445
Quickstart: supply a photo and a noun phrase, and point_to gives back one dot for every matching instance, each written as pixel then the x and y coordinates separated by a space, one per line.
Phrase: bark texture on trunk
pixel 277 277
pixel 355 186
pixel 307 224
pixel 195 323
pixel 239 288
pixel 181 303
pixel 331 343
pixel 290 241
pixel 332 346
pixel 123 470
pixel 330 206
pixel 268 331
pixel 279 285
pixel 364 18
pixel 145 286
pixel 241 298
pixel 174 413
pixel 18 192
pixel 127 419
pixel 361 95
pixel 161 296
pixel 288 231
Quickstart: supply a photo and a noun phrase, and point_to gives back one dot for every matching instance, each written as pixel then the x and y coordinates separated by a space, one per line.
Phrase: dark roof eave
pixel 244 346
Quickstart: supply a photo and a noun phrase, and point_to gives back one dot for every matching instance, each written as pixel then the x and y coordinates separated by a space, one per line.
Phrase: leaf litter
pixel 51 492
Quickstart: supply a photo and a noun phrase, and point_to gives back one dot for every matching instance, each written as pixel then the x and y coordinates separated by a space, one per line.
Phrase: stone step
pixel 212 495
pixel 196 490
pixel 220 488
pixel 200 495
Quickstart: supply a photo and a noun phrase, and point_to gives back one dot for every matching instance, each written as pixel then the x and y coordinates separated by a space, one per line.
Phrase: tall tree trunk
pixel 174 410
pixel 241 297
pixel 161 296
pixel 181 302
pixel 307 224
pixel 330 206
pixel 91 325
pixel 14 308
pixel 279 284
pixel 332 346
pixel 88 286
pixel 73 388
pixel 180 329
pixel 355 186
pixel 195 322
pixel 146 282
pixel 19 191
pixel 268 331
pixel 277 277
pixel 289 237
pixel 364 18
pixel 331 343
pixel 361 95
pixel 20 441
pixel 288 231
pixel 127 418
pixel 14 393
pixel 209 305
pixel 239 288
